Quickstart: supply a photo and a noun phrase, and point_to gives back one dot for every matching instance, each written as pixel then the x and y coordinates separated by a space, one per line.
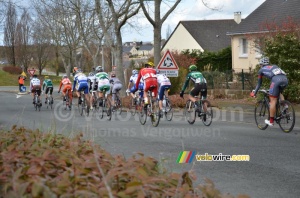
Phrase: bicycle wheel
pixel 132 107
pixel 82 106
pixel 39 105
pixel 118 106
pixel 189 112
pixel 36 102
pixel 169 110
pixel 208 115
pixel 286 116
pixel 261 113
pixel 51 102
pixel 108 110
pixel 155 116
pixel 142 114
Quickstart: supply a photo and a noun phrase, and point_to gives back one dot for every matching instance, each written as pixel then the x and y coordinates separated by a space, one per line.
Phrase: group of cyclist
pixel 150 79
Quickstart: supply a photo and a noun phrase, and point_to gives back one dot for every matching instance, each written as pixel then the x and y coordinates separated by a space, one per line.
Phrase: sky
pixel 192 10
pixel 186 10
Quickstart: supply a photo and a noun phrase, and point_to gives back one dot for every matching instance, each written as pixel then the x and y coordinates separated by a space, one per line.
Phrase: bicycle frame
pixel 282 116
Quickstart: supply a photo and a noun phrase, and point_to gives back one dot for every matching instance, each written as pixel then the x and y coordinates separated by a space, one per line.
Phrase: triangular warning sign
pixel 23 74
pixel 31 71
pixel 167 62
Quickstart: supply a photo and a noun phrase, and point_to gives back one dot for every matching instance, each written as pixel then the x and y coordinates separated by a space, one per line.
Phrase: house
pixel 244 53
pixel 208 35
pixel 146 50
pixel 129 51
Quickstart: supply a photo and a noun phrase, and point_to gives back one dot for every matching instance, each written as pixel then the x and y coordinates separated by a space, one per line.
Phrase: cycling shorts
pixel 49 89
pixel 116 87
pixel 199 88
pixel 278 84
pixel 36 88
pixel 83 87
pixel 151 83
pixel 162 91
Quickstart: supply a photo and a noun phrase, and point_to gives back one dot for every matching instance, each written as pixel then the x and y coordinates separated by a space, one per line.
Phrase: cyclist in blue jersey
pixel 279 82
pixel 131 85
pixel 82 81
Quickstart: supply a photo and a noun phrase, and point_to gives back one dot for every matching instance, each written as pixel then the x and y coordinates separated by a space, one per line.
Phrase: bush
pixel 36 164
pixel 12 69
pixel 45 165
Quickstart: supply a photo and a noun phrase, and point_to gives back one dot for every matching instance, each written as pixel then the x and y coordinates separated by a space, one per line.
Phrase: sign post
pixel 167 65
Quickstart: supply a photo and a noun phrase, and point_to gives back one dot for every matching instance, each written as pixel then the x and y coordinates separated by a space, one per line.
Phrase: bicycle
pixel 37 103
pixel 94 101
pixel 118 103
pixel 284 115
pixel 135 102
pixel 83 107
pixel 49 101
pixel 66 102
pixel 191 111
pixel 167 107
pixel 151 110
pixel 105 106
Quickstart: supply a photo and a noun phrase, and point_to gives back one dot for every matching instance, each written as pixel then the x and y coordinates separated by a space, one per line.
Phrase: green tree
pixel 284 50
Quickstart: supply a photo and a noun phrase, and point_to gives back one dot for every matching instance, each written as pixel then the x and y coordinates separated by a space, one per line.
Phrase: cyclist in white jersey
pixel 82 81
pixel 164 84
pixel 35 86
pixel 132 82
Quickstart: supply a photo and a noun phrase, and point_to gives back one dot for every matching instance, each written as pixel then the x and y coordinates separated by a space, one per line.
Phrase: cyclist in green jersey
pixel 199 84
pixel 102 79
pixel 49 87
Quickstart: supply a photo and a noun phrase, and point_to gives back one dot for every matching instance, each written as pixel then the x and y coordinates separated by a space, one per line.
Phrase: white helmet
pixel 134 72
pixel 99 69
pixel 264 61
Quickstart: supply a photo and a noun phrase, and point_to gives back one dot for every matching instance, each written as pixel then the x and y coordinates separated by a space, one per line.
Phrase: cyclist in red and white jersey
pixel 148 74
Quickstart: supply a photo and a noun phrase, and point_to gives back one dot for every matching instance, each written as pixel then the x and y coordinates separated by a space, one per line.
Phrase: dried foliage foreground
pixel 36 164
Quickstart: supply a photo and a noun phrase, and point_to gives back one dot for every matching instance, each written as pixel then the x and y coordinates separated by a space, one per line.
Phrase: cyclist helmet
pixel 134 72
pixel 192 67
pixel 34 76
pixel 99 69
pixel 46 77
pixel 264 61
pixel 91 74
pixel 65 76
pixel 112 75
pixel 149 64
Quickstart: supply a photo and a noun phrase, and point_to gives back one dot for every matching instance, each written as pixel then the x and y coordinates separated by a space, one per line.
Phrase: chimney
pixel 237 17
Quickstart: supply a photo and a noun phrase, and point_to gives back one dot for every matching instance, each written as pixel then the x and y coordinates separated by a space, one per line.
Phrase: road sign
pixel 167 62
pixel 167 65
pixel 31 71
pixel 23 89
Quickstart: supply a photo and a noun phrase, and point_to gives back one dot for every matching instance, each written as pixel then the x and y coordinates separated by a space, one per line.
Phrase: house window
pixel 243 47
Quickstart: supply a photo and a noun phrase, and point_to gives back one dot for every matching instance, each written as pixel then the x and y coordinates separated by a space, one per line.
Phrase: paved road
pixel 273 169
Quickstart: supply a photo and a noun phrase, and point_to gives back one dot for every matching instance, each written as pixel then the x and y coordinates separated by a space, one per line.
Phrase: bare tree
pixel 61 22
pixel 42 45
pixel 9 33
pixel 91 34
pixel 22 40
pixel 157 22
pixel 120 12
